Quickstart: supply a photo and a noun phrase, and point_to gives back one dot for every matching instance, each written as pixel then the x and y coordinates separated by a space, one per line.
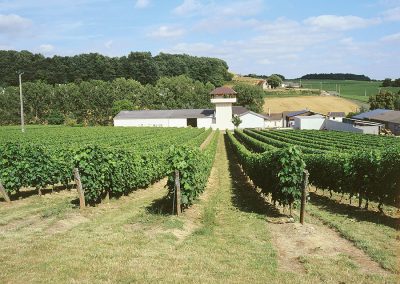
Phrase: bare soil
pixel 321 104
pixel 294 241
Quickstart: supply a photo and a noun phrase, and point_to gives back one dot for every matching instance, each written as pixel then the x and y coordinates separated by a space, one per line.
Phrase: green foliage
pixel 384 99
pixel 95 102
pixel 55 118
pixel 110 160
pixel 194 167
pixel 275 81
pixel 275 172
pixel 121 105
pixel 249 96
pixel 236 121
pixel 140 66
pixel 335 161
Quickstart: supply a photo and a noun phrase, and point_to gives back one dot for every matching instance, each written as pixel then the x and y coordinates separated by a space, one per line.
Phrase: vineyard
pixel 225 224
pixel 112 161
pixel 358 165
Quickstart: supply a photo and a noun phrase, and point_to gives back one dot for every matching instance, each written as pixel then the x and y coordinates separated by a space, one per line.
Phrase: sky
pixel 288 37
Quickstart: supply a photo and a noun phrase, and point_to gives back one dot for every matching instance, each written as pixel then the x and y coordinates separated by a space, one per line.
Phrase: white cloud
pixel 108 44
pixel 142 3
pixel 239 8
pixel 188 7
pixel 392 37
pixel 391 14
pixel 46 48
pixel 167 32
pixel 12 24
pixel 340 23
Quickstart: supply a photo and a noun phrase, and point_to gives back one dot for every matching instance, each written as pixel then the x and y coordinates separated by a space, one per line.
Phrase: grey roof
pixel 370 114
pixel 274 116
pixel 389 116
pixel 290 114
pixel 336 114
pixel 238 110
pixel 171 113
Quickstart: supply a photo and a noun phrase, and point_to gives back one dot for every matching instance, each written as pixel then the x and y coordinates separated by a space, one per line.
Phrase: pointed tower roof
pixel 223 91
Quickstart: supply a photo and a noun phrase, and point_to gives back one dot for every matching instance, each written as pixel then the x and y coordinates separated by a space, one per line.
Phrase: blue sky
pixel 254 36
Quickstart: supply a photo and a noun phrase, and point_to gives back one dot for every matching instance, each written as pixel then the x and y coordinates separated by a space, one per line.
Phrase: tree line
pixel 336 76
pixel 251 75
pixel 391 83
pixel 139 66
pixel 95 102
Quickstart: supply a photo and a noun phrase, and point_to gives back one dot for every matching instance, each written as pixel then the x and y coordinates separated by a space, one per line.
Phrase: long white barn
pixel 220 118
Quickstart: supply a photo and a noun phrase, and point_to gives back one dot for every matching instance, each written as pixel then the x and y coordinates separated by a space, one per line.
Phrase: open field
pixel 355 90
pixel 231 235
pixel 321 104
pixel 350 89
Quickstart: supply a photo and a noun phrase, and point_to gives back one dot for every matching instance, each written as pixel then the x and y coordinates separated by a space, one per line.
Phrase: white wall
pixel 164 122
pixel 308 122
pixel 204 122
pixel 340 119
pixel 347 127
pixel 273 123
pixel 250 120
pixel 223 115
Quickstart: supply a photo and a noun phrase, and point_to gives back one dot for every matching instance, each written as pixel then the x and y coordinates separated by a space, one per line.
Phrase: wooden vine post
pixel 304 196
pixel 177 193
pixel 80 189
pixel 4 192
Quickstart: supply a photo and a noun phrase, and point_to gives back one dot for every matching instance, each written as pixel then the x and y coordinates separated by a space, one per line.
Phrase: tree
pixel 387 82
pixel 249 96
pixel 236 120
pixel 121 105
pixel 275 81
pixel 384 100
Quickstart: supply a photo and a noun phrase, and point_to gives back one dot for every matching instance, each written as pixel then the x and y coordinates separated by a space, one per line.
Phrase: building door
pixel 192 122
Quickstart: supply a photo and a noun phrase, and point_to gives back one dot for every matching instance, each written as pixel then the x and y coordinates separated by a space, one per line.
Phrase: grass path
pixel 222 238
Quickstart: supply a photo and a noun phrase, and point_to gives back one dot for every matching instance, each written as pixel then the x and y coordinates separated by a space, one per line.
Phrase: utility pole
pixel 22 103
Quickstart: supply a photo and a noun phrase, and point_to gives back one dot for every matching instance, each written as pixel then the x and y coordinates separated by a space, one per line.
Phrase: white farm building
pixel 220 118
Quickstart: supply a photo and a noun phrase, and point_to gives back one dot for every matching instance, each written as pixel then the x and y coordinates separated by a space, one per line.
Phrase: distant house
pixel 264 84
pixel 336 116
pixel 389 118
pixel 288 84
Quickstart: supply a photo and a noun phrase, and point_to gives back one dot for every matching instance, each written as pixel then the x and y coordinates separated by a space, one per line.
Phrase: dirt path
pixel 295 241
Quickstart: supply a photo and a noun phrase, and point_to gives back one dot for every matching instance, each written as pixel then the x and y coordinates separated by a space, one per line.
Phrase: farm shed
pixel 220 118
pixel 252 120
pixel 354 125
pixel 289 116
pixel 313 122
pixel 274 120
pixel 166 118
pixel 336 116
pixel 389 118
